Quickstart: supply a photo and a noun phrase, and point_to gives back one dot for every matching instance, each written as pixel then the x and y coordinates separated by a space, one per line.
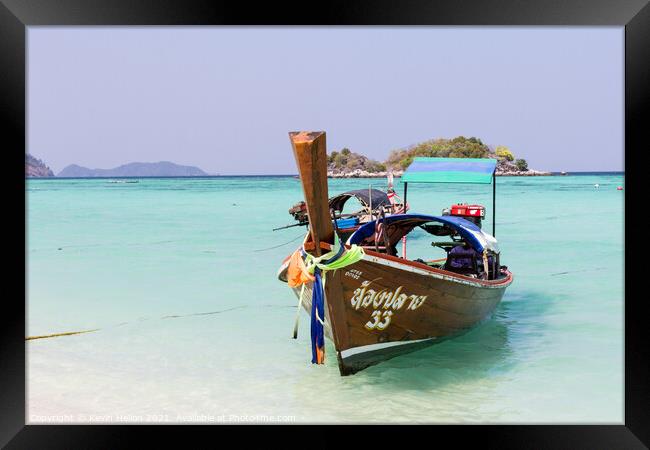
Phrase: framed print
pixel 362 213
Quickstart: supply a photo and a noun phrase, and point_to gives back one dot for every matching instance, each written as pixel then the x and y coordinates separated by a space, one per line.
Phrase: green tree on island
pixel 458 147
pixel 522 165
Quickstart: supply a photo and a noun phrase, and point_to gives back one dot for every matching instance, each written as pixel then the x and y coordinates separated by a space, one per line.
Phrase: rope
pixel 281 245
pixel 69 333
pixel 295 325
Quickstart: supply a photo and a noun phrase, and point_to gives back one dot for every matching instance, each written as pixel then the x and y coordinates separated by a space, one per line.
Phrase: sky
pixel 224 98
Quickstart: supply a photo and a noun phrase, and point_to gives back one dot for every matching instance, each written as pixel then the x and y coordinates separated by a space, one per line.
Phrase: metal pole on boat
pixel 404 237
pixel 370 199
pixel 494 201
pixel 372 216
pixel 405 188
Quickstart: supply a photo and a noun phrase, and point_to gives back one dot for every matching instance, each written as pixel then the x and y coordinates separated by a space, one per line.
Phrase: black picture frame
pixel 16 15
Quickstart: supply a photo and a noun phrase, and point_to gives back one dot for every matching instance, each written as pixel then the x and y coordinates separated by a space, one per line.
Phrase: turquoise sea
pixel 179 277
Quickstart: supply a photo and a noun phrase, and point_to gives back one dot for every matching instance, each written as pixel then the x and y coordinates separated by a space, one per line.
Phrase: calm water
pixel 179 277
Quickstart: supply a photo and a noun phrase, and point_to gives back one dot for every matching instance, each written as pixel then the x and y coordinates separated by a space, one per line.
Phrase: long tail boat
pixel 373 303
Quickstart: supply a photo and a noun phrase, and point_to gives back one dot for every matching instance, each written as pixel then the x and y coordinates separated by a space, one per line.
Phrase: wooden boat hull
pixel 380 306
pixel 383 306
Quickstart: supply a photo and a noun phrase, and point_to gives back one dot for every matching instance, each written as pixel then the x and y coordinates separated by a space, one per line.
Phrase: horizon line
pixel 553 173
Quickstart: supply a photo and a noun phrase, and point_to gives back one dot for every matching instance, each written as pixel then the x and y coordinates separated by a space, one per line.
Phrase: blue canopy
pixel 450 170
pixel 472 233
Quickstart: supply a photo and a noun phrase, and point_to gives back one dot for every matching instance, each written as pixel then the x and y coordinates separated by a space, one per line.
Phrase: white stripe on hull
pixel 372 347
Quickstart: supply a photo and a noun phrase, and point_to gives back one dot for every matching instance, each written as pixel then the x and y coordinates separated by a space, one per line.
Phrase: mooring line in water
pixel 128 244
pixel 576 271
pixel 69 333
pixel 176 316
pixel 281 245
pixel 173 316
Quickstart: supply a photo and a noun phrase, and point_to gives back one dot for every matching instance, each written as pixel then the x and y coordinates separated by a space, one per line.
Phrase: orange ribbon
pixel 297 272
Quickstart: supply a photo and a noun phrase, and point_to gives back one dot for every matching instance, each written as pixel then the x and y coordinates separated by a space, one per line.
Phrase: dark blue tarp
pixel 475 237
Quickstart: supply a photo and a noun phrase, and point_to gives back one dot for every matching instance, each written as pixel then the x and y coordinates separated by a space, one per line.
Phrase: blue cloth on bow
pixel 317 329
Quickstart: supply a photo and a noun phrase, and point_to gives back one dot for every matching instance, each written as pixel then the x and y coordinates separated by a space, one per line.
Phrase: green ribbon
pixel 349 257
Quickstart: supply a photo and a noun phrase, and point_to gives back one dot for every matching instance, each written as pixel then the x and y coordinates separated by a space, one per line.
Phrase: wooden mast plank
pixel 309 150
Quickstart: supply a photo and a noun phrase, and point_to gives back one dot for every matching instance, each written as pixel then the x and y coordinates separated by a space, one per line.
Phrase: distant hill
pixel 137 169
pixel 34 167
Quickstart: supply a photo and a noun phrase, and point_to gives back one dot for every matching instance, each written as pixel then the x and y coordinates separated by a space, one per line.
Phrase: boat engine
pixel 299 212
pixel 473 213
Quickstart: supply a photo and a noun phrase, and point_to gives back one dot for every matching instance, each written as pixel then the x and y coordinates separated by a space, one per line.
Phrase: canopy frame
pixel 493 180
pixel 469 231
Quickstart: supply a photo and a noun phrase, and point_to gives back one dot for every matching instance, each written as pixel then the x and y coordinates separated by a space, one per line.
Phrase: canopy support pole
pixel 494 201
pixel 405 211
pixel 405 188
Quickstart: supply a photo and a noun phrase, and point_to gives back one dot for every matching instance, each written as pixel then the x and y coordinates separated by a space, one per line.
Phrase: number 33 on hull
pixel 372 303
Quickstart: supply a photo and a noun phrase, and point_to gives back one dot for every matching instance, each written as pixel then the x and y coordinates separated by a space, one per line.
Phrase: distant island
pixel 348 164
pixel 340 164
pixel 34 167
pixel 136 169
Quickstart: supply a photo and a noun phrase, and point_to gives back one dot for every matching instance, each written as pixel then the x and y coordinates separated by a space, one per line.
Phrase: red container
pixel 464 210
